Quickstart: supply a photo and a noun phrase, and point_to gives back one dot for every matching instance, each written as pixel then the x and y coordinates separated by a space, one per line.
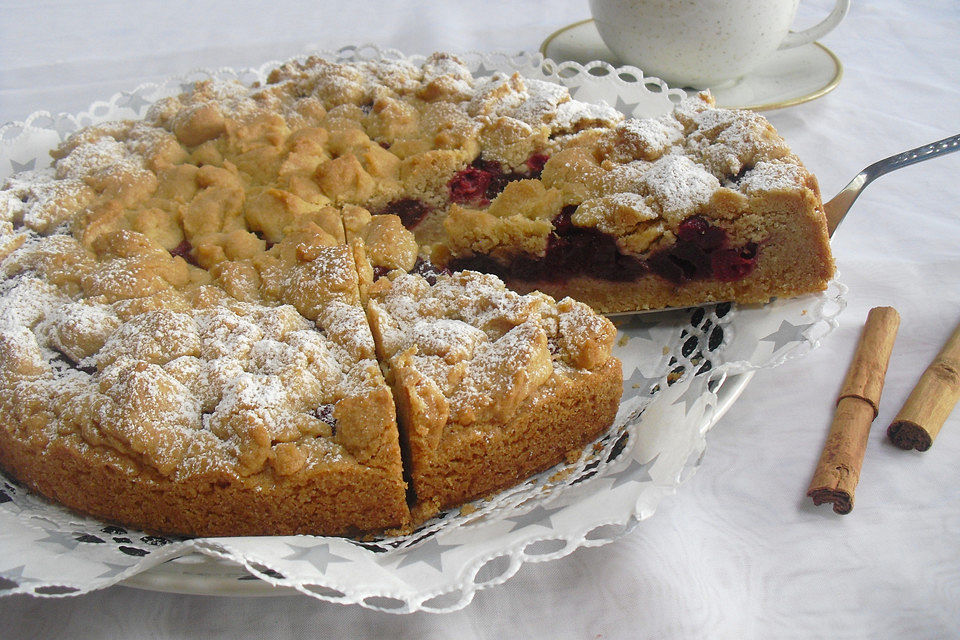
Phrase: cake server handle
pixel 837 208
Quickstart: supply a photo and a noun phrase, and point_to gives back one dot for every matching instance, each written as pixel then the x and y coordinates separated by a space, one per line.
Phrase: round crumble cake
pixel 275 309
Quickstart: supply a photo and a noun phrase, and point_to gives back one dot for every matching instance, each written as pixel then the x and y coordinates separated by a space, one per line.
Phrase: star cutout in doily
pixel 12 578
pixel 626 108
pixel 539 515
pixel 319 556
pixel 12 507
pixel 633 472
pixel 29 165
pixel 786 334
pixel 135 101
pixel 638 383
pixel 690 396
pixel 65 126
pixel 113 570
pixel 482 71
pixel 636 326
pixel 63 540
pixel 428 552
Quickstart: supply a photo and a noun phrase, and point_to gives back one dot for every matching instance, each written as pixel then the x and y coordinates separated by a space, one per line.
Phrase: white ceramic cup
pixel 703 43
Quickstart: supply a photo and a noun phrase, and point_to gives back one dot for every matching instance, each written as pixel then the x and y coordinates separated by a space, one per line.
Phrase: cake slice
pixel 491 386
pixel 700 205
pixel 512 176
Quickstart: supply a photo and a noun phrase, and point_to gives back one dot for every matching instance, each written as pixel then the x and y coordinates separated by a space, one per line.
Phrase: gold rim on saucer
pixel 765 106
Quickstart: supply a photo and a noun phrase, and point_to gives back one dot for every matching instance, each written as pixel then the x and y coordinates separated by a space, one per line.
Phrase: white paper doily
pixel 675 364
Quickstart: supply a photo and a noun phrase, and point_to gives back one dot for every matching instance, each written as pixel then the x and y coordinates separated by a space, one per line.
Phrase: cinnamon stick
pixel 931 401
pixel 838 471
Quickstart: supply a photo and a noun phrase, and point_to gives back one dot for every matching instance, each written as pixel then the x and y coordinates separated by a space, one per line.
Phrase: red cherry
pixel 410 211
pixel 470 186
pixel 734 264
pixel 536 162
pixel 697 230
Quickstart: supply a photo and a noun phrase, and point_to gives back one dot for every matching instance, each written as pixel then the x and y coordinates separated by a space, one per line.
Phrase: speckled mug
pixel 703 43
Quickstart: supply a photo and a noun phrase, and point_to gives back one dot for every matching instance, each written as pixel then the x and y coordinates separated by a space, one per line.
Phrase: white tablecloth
pixel 740 551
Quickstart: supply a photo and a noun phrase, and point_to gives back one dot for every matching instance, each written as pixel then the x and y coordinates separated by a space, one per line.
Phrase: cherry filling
pixel 483 180
pixel 410 211
pixel 470 186
pixel 680 263
pixel 700 252
pixel 571 250
pixel 184 250
pixel 428 271
pixel 696 230
pixel 730 265
pixel 325 413
pixel 261 236
pixel 536 162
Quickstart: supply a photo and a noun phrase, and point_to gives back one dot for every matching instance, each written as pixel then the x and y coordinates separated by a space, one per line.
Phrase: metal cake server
pixel 838 207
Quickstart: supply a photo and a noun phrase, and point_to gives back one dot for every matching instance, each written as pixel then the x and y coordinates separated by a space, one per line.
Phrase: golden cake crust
pixel 491 386
pixel 99 483
pixel 699 205
pixel 196 306
pixel 226 418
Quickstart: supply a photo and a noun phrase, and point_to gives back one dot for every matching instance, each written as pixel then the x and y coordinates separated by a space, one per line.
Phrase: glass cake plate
pixel 682 370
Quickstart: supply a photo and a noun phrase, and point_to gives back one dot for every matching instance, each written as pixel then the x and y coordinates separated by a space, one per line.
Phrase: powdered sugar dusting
pixel 627 180
pixel 541 102
pixel 98 328
pixel 678 161
pixel 231 97
pixel 679 186
pixel 26 301
pixel 574 115
pixel 654 136
pixel 40 201
pixel 400 76
pixel 448 338
pixel 445 65
pixel 94 157
pixel 78 330
pixel 484 347
pixel 12 205
pixel 773 176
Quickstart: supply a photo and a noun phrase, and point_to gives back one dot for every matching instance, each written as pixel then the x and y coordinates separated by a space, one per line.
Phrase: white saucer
pixel 790 77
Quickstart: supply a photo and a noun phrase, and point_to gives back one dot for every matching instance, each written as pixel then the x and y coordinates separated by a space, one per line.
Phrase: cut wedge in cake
pixel 491 386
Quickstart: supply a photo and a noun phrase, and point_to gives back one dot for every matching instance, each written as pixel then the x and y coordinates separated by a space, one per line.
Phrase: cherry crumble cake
pixel 279 309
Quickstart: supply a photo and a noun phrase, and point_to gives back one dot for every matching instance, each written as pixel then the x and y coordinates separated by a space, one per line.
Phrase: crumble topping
pixel 174 242
pixel 678 187
pixel 217 381
pixel 204 289
pixel 480 349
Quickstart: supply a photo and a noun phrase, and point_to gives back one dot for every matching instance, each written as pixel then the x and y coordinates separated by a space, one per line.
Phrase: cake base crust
pixel 348 500
pixel 472 462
